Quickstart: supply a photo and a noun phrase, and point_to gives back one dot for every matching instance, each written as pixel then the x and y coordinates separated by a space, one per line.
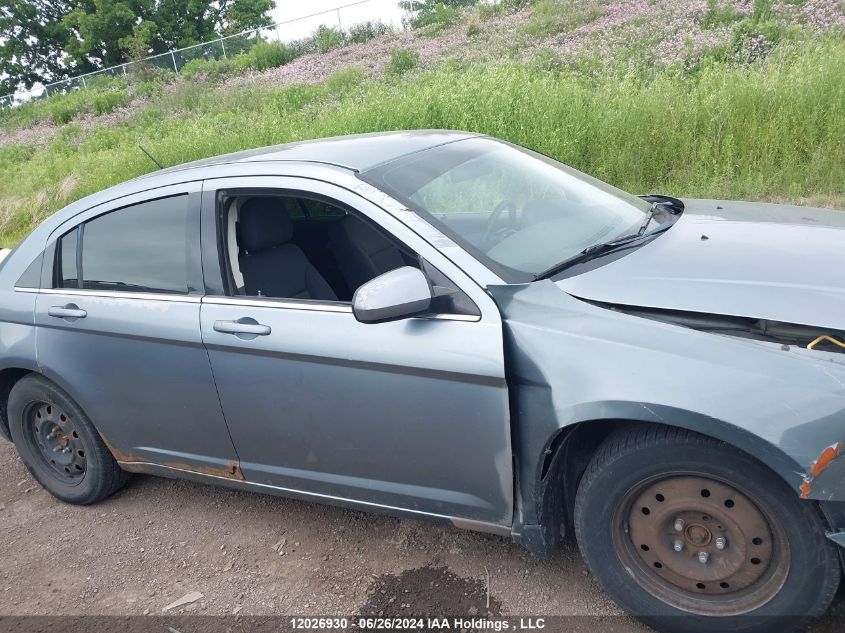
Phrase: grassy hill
pixel 685 97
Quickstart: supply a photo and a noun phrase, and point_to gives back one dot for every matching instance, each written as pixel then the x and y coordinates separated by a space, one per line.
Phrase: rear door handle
pixel 70 311
pixel 242 326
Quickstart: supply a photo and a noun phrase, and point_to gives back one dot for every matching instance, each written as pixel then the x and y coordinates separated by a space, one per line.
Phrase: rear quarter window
pixel 31 277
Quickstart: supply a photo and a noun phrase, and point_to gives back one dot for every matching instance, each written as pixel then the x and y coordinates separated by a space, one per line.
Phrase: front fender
pixel 571 362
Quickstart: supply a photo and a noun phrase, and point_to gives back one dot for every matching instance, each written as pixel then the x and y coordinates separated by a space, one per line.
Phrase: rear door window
pixel 140 248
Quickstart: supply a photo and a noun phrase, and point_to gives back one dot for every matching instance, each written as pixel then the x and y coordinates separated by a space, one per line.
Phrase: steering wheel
pixel 492 235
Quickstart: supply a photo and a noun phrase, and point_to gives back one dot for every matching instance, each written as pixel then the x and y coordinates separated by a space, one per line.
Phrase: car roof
pixel 357 152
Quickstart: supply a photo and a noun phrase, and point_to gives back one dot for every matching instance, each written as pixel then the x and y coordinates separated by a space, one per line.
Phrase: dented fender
pixel 572 362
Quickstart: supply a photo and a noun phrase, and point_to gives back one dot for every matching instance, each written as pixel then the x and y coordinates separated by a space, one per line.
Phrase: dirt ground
pixel 256 555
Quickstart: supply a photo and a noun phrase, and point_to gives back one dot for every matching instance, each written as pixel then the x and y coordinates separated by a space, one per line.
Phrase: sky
pixel 385 10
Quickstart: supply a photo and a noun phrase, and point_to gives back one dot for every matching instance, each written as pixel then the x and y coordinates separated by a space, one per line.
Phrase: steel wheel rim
pixel 701 544
pixel 54 438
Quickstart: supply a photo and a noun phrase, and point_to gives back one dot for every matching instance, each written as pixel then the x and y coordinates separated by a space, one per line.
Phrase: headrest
pixel 264 223
pixel 358 232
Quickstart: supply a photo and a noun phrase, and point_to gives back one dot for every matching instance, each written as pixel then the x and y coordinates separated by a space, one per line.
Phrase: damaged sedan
pixel 446 326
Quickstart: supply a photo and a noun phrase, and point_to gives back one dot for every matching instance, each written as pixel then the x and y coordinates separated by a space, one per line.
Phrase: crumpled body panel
pixel 570 361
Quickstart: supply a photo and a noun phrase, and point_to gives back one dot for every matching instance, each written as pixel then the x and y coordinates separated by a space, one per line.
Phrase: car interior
pixel 302 248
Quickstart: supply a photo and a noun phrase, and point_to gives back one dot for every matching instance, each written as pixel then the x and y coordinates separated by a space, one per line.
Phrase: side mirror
pixel 398 294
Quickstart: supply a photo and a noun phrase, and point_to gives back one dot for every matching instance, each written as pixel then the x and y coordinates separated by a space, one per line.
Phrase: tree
pixel 99 31
pixel 185 22
pixel 47 40
pixel 104 29
pixel 425 12
pixel 32 38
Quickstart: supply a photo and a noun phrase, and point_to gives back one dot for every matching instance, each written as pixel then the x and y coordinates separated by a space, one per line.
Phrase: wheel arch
pixel 567 451
pixel 9 377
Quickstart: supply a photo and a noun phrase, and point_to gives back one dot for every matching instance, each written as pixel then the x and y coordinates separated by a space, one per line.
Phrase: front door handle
pixel 242 326
pixel 70 311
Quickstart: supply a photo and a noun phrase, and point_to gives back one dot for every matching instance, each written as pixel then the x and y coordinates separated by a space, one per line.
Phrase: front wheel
pixel 690 534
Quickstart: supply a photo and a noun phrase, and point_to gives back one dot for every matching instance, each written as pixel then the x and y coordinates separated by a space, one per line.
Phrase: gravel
pixel 158 540
pixel 227 552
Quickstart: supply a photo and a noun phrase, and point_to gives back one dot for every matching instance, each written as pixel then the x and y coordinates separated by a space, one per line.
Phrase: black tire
pixel 86 473
pixel 799 577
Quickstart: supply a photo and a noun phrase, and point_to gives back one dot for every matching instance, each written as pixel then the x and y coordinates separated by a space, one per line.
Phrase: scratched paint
pixel 818 467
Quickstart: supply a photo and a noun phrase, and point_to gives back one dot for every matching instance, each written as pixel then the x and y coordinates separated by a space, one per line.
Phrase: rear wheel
pixel 59 445
pixel 676 524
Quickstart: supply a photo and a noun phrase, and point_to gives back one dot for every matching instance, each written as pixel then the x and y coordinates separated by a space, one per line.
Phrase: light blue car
pixel 446 326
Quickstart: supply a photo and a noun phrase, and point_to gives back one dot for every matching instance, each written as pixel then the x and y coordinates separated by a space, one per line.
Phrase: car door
pixel 407 415
pixel 118 328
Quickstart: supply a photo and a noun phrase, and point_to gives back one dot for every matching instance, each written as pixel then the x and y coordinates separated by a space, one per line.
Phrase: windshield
pixel 516 210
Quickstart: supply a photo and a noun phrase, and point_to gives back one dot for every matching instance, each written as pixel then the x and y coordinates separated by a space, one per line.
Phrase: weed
pixel 344 81
pixel 549 17
pixel 432 16
pixel 719 13
pixel 327 38
pixel 401 61
pixel 548 61
pixel 729 123
pixel 108 101
pixel 266 55
pixel 366 31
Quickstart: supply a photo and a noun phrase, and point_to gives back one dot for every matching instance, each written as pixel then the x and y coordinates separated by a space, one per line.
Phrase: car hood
pixel 755 260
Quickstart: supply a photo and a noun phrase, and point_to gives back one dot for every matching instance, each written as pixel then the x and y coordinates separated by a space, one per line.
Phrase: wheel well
pixel 565 461
pixel 8 379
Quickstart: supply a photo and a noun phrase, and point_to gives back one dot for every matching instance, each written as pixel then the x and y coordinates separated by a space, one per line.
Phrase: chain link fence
pixel 288 31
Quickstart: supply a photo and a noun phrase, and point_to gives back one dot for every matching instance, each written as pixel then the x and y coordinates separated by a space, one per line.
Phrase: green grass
pixel 104 94
pixel 549 17
pixel 719 14
pixel 401 61
pixel 261 56
pixel 768 130
pixel 101 97
pixel 489 10
pixel 266 55
pixel 365 31
pixel 109 101
pixel 342 82
pixel 435 18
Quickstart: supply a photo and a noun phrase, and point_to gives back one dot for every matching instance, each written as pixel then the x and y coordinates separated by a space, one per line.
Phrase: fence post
pixel 84 85
pixel 124 70
pixel 339 24
pixel 173 57
pixel 223 46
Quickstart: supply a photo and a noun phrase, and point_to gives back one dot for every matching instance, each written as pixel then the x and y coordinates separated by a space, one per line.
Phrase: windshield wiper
pixel 604 248
pixel 648 216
